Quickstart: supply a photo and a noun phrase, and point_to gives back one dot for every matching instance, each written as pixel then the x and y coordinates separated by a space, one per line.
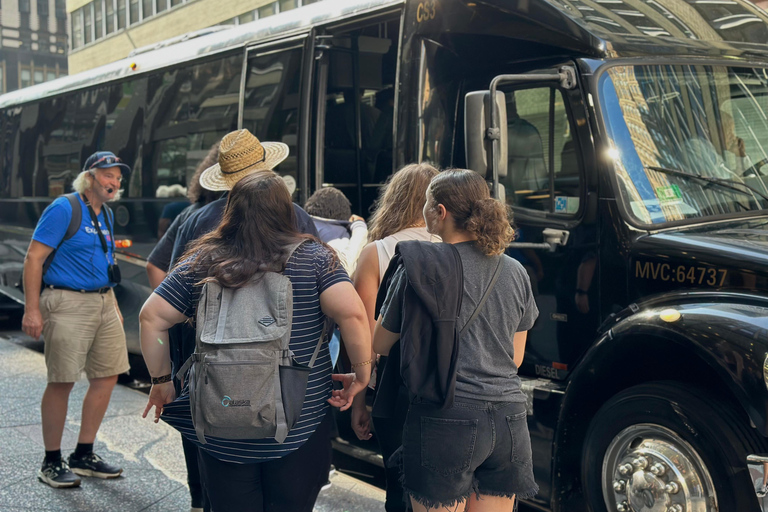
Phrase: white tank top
pixel 385 247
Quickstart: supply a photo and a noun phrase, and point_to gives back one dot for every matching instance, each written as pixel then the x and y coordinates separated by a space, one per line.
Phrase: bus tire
pixel 630 446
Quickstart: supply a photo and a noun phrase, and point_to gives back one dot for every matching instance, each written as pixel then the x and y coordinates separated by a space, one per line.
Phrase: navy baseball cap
pixel 104 160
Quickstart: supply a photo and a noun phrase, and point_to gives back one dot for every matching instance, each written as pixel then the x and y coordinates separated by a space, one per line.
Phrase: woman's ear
pixel 441 212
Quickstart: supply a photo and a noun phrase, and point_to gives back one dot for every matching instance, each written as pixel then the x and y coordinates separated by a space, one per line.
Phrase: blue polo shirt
pixel 80 262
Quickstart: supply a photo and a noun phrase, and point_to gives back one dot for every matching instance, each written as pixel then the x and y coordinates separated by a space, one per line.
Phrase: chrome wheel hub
pixel 649 468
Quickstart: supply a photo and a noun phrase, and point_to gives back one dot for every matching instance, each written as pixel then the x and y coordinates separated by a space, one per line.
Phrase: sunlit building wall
pixel 103 31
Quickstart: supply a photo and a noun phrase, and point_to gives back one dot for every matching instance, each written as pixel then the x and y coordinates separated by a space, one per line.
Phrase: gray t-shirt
pixel 486 368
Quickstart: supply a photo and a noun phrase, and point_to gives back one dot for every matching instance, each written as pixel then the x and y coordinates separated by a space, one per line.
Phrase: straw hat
pixel 240 154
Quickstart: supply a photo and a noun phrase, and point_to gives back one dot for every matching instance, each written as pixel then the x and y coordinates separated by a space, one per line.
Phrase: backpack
pixel 243 380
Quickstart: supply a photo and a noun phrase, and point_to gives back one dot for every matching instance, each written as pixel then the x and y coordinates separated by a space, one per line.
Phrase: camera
pixel 113 272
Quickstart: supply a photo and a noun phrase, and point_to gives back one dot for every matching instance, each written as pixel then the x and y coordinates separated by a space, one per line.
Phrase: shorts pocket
pixel 521 440
pixel 447 445
pixel 49 299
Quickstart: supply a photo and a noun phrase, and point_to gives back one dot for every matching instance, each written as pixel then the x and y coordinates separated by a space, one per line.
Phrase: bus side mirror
pixel 477 142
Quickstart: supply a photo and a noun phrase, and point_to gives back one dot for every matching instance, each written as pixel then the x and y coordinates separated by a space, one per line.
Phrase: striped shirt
pixel 310 271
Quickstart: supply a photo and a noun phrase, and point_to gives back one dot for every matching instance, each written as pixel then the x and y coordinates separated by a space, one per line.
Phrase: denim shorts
pixel 475 446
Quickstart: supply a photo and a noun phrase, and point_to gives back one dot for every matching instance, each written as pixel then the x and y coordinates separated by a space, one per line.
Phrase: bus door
pixel 553 199
pixel 354 90
pixel 271 105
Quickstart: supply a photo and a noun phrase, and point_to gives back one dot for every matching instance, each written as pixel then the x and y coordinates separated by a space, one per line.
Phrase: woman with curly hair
pixel 474 446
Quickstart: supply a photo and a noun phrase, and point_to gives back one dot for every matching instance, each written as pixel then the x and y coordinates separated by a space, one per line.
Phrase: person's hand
pixel 353 218
pixel 159 395
pixel 32 323
pixel 119 314
pixel 361 422
pixel 342 398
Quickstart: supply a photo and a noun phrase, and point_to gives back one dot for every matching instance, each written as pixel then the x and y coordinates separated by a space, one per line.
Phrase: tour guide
pixel 77 314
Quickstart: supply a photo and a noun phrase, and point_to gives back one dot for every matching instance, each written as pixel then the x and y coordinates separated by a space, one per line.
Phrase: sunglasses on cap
pixel 109 160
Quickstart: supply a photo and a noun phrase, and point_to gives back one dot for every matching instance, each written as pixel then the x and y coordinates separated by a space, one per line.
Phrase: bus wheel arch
pixel 668 444
pixel 609 370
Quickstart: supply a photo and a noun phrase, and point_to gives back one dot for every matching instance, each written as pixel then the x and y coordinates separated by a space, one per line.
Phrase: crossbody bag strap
pixel 96 226
pixel 319 343
pixel 487 294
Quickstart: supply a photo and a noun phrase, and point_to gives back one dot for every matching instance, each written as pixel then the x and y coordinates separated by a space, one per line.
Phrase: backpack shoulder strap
pixel 75 219
pixel 110 224
pixel 487 294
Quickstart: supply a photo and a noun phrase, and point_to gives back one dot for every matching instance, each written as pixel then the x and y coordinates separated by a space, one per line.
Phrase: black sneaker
pixel 57 474
pixel 93 465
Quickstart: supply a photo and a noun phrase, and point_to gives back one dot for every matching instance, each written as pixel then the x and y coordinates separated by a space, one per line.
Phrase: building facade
pixel 104 31
pixel 33 43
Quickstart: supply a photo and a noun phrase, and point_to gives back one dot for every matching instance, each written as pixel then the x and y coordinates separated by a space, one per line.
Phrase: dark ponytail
pixel 465 194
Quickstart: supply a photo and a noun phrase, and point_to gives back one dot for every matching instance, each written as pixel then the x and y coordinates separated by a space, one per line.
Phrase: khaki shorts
pixel 82 332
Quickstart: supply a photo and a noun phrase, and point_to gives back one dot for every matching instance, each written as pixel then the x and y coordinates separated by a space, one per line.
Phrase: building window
pixel 134 11
pixel 267 10
pixel 120 14
pixel 24 6
pixel 25 77
pixel 110 12
pixel 2 79
pixel 39 76
pixel 246 18
pixel 162 5
pixel 51 75
pixel 307 2
pixel 98 16
pixel 77 29
pixel 287 5
pixel 175 3
pixel 88 24
pixel 61 9
pixel 147 8
pixel 42 7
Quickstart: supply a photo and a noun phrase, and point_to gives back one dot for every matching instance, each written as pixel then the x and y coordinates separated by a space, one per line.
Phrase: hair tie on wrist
pixel 163 379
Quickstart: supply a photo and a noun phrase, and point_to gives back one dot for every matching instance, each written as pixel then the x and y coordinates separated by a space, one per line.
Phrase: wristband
pixel 579 291
pixel 162 380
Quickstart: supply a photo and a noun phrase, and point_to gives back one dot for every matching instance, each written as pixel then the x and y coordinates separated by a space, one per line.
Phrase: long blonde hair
pixel 401 201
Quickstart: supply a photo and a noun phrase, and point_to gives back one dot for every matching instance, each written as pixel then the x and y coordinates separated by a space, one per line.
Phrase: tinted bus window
pixel 190 110
pixel 271 110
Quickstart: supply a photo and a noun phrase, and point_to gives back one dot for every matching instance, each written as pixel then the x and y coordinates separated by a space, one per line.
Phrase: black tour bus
pixel 629 136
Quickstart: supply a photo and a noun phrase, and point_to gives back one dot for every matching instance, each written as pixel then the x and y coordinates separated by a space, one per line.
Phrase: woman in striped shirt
pixel 255 233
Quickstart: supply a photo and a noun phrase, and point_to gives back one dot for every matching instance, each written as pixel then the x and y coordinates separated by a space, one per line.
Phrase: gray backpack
pixel 244 382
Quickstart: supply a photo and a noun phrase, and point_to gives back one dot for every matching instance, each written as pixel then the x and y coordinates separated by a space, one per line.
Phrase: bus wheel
pixel 668 447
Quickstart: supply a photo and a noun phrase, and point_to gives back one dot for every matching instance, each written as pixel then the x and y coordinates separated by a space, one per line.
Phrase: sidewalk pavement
pixel 154 477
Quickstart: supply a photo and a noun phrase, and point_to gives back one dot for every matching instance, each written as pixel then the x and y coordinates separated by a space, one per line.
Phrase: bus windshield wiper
pixel 723 182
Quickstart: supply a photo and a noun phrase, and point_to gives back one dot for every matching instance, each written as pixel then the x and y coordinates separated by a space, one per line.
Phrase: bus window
pixel 191 109
pixel 359 112
pixel 540 148
pixel 271 108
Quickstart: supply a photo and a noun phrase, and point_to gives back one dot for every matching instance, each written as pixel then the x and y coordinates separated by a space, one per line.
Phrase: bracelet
pixel 579 291
pixel 361 364
pixel 162 380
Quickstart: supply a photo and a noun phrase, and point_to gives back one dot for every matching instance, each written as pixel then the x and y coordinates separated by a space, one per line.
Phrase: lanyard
pixel 96 225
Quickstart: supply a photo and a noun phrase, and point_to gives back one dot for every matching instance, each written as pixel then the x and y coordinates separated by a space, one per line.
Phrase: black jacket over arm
pixel 429 339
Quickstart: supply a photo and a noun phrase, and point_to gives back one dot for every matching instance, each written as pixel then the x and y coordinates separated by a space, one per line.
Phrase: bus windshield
pixel 669 125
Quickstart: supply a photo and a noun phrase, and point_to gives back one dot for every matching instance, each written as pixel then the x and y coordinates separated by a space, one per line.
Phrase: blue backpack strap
pixel 74 225
pixel 77 217
pixel 110 226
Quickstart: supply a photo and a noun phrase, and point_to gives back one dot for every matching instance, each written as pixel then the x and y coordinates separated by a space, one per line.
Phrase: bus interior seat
pixel 526 169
